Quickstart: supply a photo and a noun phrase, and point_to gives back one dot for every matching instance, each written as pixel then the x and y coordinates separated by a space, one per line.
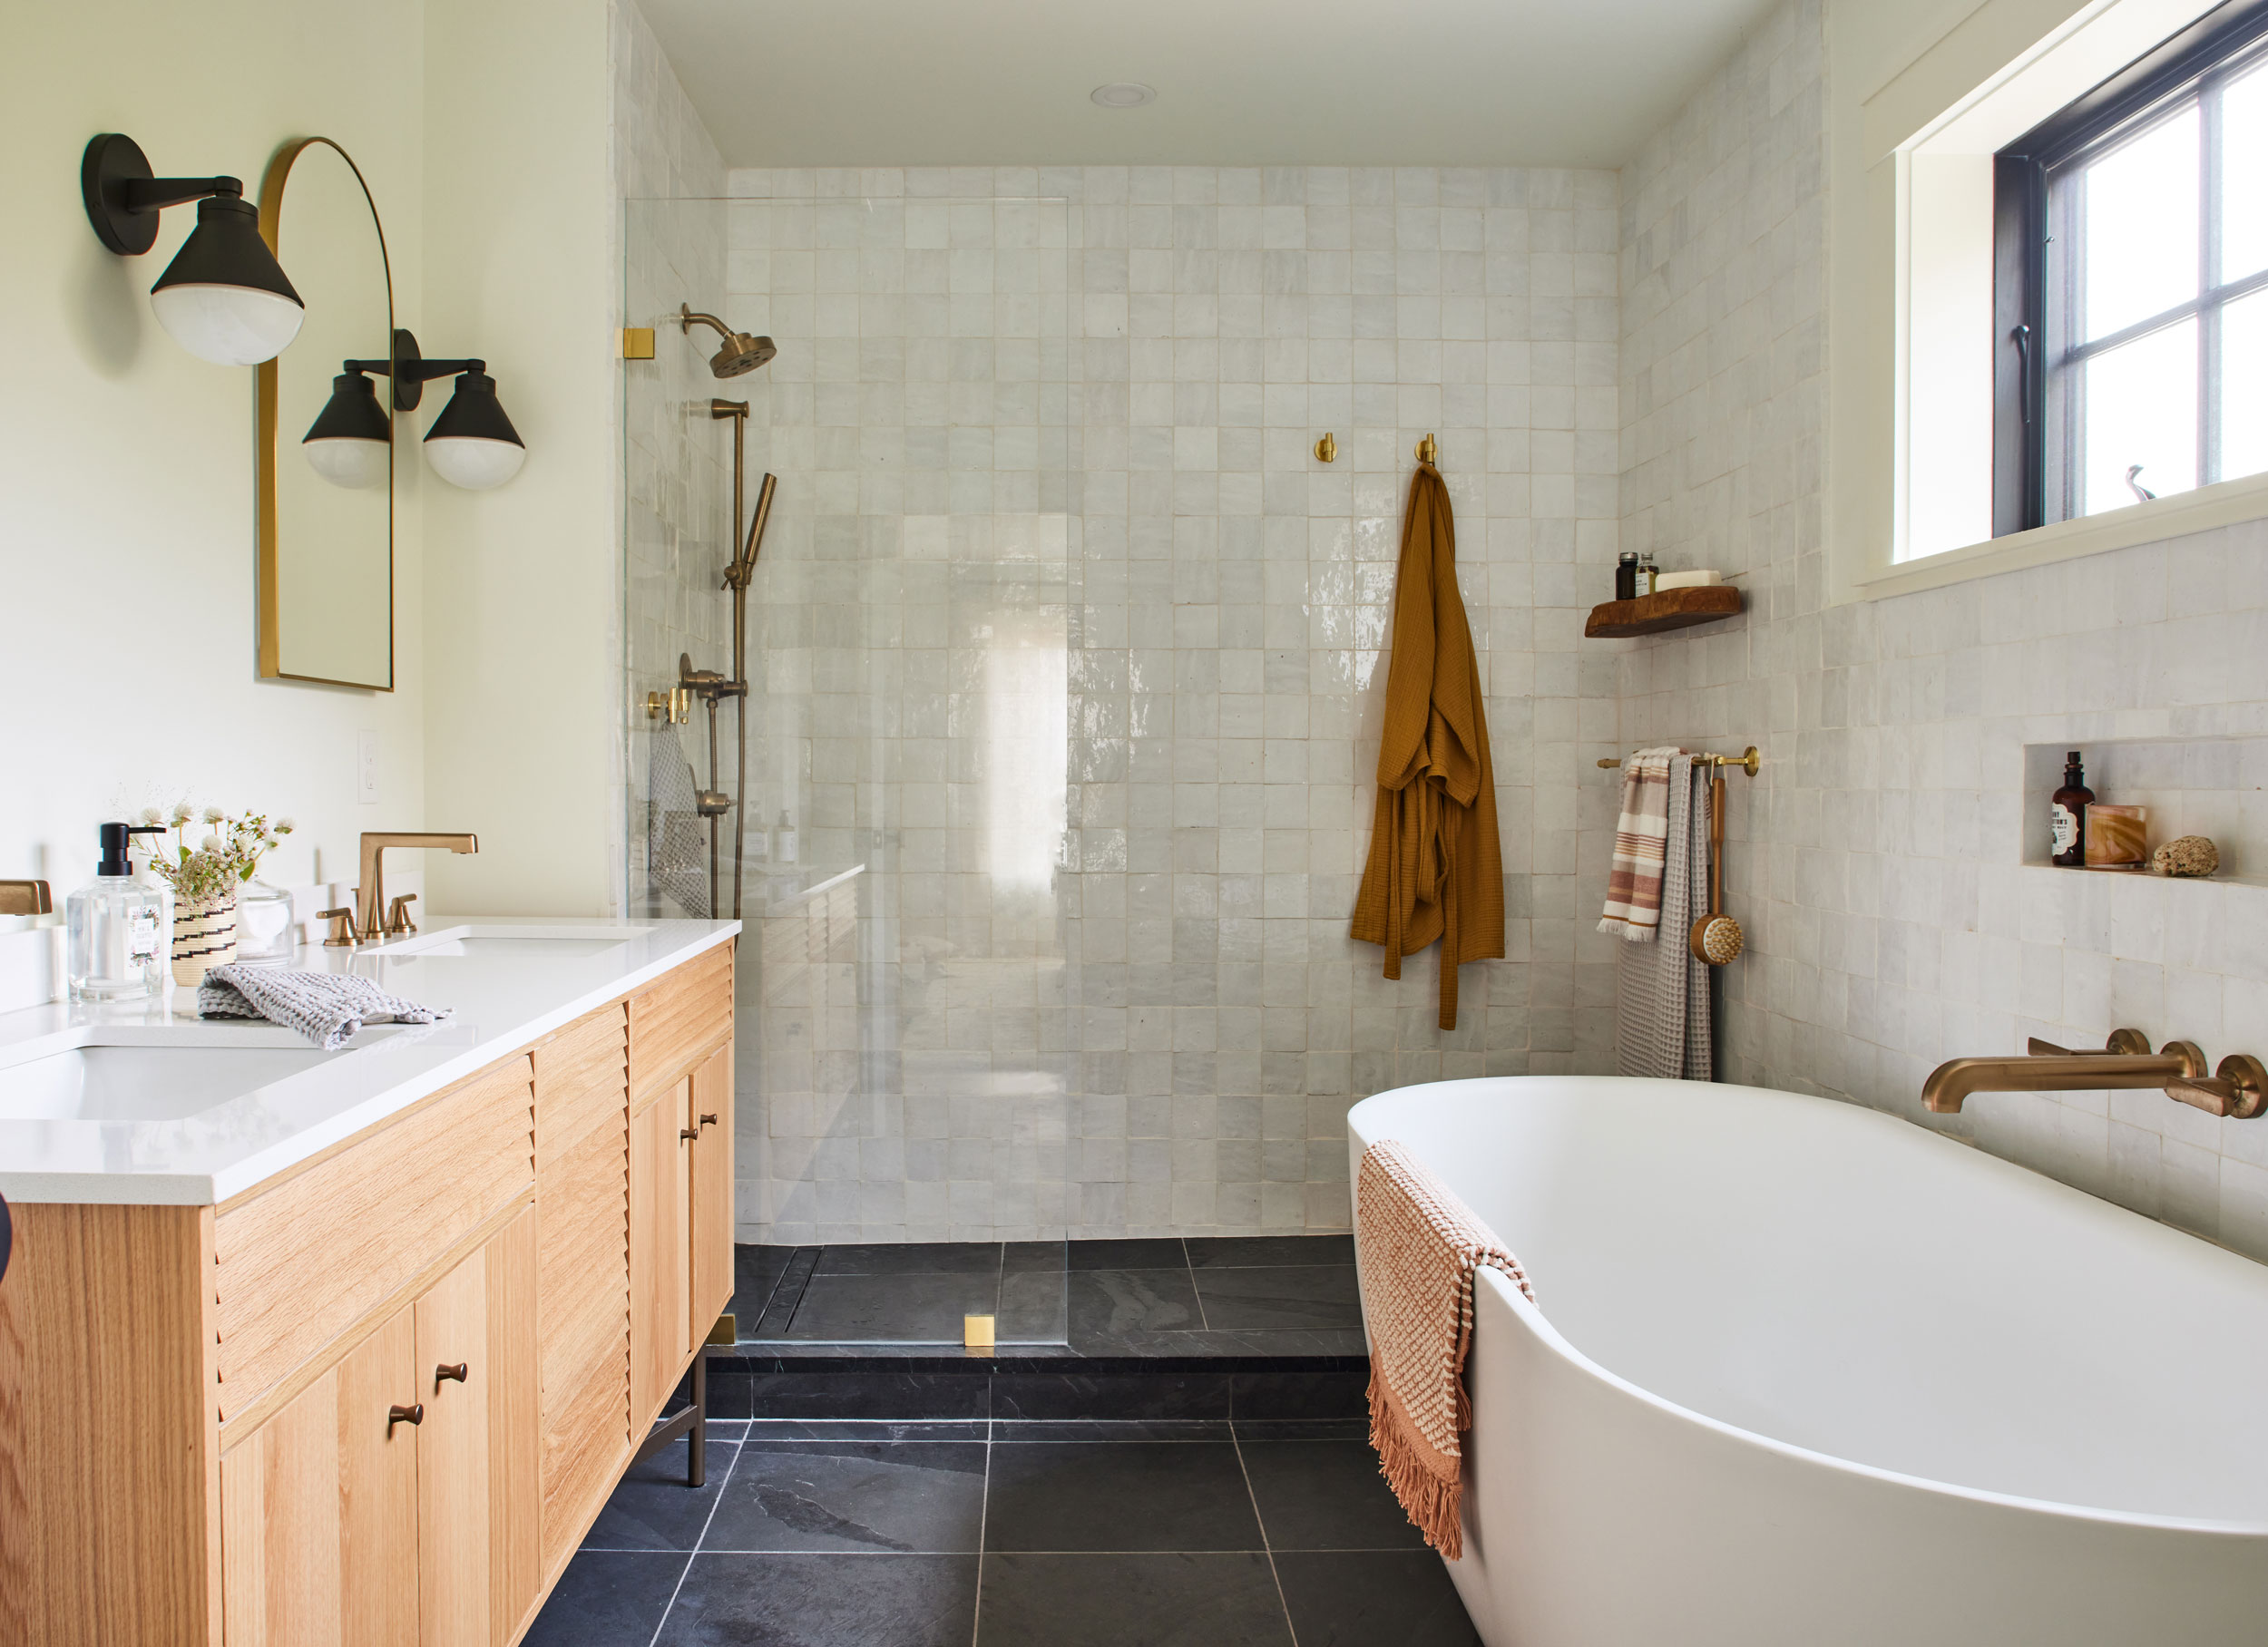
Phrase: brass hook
pixel 1327 449
pixel 1427 450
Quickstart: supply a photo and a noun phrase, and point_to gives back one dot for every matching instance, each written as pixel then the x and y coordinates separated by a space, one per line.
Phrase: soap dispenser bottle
pixel 2066 816
pixel 117 925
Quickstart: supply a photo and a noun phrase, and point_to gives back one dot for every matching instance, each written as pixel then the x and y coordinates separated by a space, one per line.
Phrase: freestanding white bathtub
pixel 1800 1373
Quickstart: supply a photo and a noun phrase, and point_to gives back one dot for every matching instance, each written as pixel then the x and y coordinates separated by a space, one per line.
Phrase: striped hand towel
pixel 1634 886
pixel 1417 1246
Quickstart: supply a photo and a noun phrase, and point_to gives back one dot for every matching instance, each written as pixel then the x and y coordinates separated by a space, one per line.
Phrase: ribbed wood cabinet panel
pixel 109 1450
pixel 676 1021
pixel 299 1264
pixel 582 1210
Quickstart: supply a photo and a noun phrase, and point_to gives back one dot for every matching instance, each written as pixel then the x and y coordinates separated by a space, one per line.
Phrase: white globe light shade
pixel 475 463
pixel 358 465
pixel 230 325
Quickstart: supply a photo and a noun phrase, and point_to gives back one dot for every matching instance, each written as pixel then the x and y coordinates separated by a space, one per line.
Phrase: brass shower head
pixel 741 352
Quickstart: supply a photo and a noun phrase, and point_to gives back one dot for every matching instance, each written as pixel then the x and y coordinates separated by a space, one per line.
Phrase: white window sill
pixel 2227 503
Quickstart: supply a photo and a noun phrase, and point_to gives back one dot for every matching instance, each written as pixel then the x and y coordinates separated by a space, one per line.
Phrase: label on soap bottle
pixel 2064 825
pixel 141 936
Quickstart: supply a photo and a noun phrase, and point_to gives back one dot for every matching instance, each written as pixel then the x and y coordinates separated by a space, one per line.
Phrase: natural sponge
pixel 2189 856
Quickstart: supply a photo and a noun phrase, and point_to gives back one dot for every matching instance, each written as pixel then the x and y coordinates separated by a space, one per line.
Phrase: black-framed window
pixel 2130 283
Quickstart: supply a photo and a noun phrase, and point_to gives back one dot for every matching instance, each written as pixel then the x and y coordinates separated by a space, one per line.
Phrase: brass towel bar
pixel 1747 760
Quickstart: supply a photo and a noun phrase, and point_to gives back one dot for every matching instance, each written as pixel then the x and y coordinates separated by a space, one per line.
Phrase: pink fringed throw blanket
pixel 1418 1246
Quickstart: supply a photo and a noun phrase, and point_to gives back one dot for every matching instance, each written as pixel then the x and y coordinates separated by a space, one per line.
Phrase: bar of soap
pixel 1703 580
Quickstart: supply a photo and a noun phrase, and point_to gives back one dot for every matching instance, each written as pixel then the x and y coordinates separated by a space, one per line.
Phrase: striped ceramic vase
pixel 204 937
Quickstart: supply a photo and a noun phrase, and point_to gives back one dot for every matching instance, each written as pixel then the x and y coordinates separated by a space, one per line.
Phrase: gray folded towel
pixel 325 1007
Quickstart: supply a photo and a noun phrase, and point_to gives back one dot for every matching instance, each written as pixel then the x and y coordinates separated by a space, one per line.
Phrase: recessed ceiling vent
pixel 1125 94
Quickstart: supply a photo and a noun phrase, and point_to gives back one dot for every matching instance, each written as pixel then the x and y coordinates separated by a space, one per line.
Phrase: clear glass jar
pixel 264 932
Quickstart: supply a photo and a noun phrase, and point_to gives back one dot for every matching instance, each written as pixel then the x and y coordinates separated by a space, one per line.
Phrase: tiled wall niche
pixel 2212 786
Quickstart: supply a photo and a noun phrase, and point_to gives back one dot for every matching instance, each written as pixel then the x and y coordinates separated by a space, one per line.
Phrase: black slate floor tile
pixel 1135 1253
pixel 1325 1496
pixel 756 1271
pixel 909 1497
pixel 912 1258
pixel 1248 1251
pixel 653 1509
pixel 868 1429
pixel 1361 1600
pixel 1085 1395
pixel 871 1395
pixel 1124 1495
pixel 1009 1431
pixel 825 1600
pixel 1033 1308
pixel 1302 1395
pixel 926 1307
pixel 1026 1255
pixel 607 1597
pixel 1132 1601
pixel 1105 1302
pixel 1242 1299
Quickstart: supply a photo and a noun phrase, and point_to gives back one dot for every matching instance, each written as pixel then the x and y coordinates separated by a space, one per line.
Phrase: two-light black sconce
pixel 225 300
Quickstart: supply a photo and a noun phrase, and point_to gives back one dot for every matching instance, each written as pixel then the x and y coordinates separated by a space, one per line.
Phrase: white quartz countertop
pixel 147 1105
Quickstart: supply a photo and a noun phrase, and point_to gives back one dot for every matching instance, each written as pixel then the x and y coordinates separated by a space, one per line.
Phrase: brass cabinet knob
pixel 446 1371
pixel 709 1120
pixel 688 1131
pixel 415 1414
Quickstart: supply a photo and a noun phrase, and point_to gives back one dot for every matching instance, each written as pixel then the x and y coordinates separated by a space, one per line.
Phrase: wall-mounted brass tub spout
pixel 2126 1062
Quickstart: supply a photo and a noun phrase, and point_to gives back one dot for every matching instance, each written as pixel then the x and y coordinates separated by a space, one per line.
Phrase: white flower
pixel 213 814
pixel 150 814
pixel 284 826
pixel 181 815
pixel 210 843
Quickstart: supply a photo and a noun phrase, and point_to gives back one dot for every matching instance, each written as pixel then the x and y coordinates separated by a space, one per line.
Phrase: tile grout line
pixel 1266 1543
pixel 1204 1323
pixel 983 1518
pixel 700 1538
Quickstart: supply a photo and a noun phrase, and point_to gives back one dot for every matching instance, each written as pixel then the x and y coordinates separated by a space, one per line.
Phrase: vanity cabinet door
pixel 660 1245
pixel 711 1192
pixel 478 1495
pixel 318 1509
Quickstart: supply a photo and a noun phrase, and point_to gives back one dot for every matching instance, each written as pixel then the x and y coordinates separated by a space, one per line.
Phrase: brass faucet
pixel 370 911
pixel 26 898
pixel 2127 1061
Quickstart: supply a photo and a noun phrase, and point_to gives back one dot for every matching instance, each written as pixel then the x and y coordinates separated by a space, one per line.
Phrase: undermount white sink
pixel 490 939
pixel 160 1075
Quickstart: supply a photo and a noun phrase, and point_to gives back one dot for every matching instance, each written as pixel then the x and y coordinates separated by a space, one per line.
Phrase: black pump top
pixel 115 840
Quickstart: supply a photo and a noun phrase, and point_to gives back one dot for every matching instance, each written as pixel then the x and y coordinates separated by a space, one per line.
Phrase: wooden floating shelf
pixel 1675 609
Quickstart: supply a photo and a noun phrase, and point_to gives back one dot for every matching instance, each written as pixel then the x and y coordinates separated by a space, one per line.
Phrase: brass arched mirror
pixel 326 509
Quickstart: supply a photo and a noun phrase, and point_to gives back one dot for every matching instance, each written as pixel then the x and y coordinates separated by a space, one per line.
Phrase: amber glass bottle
pixel 2067 815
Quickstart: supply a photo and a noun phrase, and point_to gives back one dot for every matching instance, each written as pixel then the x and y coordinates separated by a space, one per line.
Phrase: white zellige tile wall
pixel 1164 1031
pixel 1878 863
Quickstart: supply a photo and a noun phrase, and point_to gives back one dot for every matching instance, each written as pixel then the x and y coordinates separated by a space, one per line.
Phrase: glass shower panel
pixel 904 1075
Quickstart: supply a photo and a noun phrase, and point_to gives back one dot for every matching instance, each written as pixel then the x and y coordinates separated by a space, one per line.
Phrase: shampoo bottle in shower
pixel 784 840
pixel 2066 814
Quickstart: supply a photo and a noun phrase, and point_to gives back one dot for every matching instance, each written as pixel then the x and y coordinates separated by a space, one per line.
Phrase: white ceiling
pixel 1472 82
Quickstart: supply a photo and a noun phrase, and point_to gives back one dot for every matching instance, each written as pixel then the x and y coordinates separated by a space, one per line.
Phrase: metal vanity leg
pixel 692 1421
pixel 696 1434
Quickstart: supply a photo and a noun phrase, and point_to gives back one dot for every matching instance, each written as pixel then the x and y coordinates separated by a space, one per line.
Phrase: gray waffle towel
pixel 325 1007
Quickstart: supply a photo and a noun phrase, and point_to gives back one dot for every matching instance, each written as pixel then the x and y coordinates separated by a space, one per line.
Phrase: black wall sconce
pixel 472 444
pixel 223 297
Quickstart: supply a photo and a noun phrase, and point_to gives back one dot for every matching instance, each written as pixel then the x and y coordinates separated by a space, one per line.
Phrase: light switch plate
pixel 367 768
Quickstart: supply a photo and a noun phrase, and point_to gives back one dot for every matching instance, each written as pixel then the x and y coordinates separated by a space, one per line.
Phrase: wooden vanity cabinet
pixel 246 1427
pixel 394 1501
